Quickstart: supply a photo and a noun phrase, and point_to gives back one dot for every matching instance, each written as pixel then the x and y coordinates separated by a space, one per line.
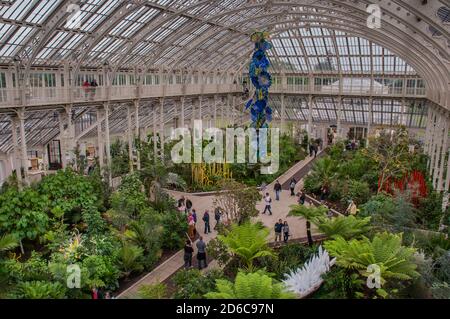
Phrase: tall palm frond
pixel 8 242
pixel 343 226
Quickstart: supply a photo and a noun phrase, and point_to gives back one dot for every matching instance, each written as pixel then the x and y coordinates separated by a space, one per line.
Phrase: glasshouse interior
pixel 181 149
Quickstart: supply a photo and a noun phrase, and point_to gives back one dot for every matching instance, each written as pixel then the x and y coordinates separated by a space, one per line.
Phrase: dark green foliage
pixel 340 283
pixel 120 158
pixel 191 284
pixel 175 228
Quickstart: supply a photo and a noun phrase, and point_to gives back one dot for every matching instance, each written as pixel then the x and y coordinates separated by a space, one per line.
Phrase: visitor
pixel 188 205
pixel 191 227
pixel 188 251
pixel 181 201
pixel 206 220
pixel 268 201
pixel 217 216
pixel 277 189
pixel 94 293
pixel 278 230
pixel 194 216
pixel 108 295
pixel 323 193
pixel 316 149
pixel 94 86
pixel 311 150
pixel 201 253
pixel 330 214
pixel 263 186
pixel 86 87
pixel 286 231
pixel 301 198
pixel 292 186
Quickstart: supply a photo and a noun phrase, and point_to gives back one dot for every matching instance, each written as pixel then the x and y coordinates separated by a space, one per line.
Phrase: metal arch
pixel 403 55
pixel 105 27
pixel 423 68
pixel 41 36
pixel 154 27
pixel 201 41
pixel 315 14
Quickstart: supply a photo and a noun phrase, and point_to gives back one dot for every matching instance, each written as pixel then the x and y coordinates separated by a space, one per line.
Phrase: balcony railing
pixel 54 95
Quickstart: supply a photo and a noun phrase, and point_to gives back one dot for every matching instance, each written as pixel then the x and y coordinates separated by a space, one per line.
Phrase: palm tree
pixel 323 173
pixel 250 286
pixel 248 241
pixel 310 214
pixel 385 251
pixel 343 226
pixel 129 259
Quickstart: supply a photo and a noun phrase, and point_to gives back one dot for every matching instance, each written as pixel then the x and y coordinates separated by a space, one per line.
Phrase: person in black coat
pixel 206 220
pixel 188 251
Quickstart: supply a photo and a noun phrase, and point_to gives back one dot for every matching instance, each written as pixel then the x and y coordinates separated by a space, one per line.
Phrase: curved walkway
pixel 280 210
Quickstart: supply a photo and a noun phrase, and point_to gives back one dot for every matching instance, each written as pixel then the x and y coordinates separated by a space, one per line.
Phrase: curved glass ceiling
pixel 173 33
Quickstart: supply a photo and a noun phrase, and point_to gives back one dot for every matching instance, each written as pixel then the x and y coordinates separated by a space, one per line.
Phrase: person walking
pixel 95 293
pixel 206 220
pixel 188 205
pixel 292 186
pixel 301 198
pixel 286 232
pixel 94 86
pixel 191 227
pixel 188 251
pixel 194 216
pixel 277 189
pixel 86 86
pixel 201 253
pixel 278 230
pixel 268 201
pixel 217 216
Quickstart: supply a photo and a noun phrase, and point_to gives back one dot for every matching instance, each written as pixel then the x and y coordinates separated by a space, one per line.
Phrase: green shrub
pixel 174 230
pixel 156 291
pixel 191 284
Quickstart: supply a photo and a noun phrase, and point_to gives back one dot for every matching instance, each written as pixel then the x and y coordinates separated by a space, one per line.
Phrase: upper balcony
pixel 82 95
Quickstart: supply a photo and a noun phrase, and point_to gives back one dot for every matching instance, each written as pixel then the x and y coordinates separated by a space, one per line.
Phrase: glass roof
pixel 176 34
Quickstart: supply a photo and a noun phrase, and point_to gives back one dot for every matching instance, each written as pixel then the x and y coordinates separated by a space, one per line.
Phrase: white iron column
pixel 23 144
pixel 310 118
pixel 182 112
pixel 130 138
pixel 369 120
pixel 70 135
pixel 434 146
pixel 137 132
pixel 339 117
pixel 215 110
pixel 155 138
pixel 108 140
pixel 62 138
pixel 161 128
pixel 16 163
pixel 283 116
pixel 444 151
pixel 100 138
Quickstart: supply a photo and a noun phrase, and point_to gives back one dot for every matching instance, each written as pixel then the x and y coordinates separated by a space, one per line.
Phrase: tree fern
pixel 346 227
pixel 256 285
pixel 385 250
pixel 8 242
pixel 248 241
pixel 310 214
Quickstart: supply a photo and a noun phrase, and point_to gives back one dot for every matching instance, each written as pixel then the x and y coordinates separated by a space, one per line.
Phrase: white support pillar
pixel 100 139
pixel 23 146
pixel 108 140
pixel 137 131
pixel 70 135
pixel 444 151
pixel 161 128
pixel 62 139
pixel 369 120
pixel 215 110
pixel 16 162
pixel 339 117
pixel 155 137
pixel 182 112
pixel 403 117
pixel 283 116
pixel 130 138
pixel 193 113
pixel 310 118
pixel 434 149
pixel 428 129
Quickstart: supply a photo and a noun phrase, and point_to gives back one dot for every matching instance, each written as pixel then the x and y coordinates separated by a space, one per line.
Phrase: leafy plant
pixel 344 226
pixel 39 290
pixel 249 286
pixel 174 227
pixel 8 242
pixel 191 284
pixel 130 259
pixel 385 250
pixel 248 241
pixel 156 291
